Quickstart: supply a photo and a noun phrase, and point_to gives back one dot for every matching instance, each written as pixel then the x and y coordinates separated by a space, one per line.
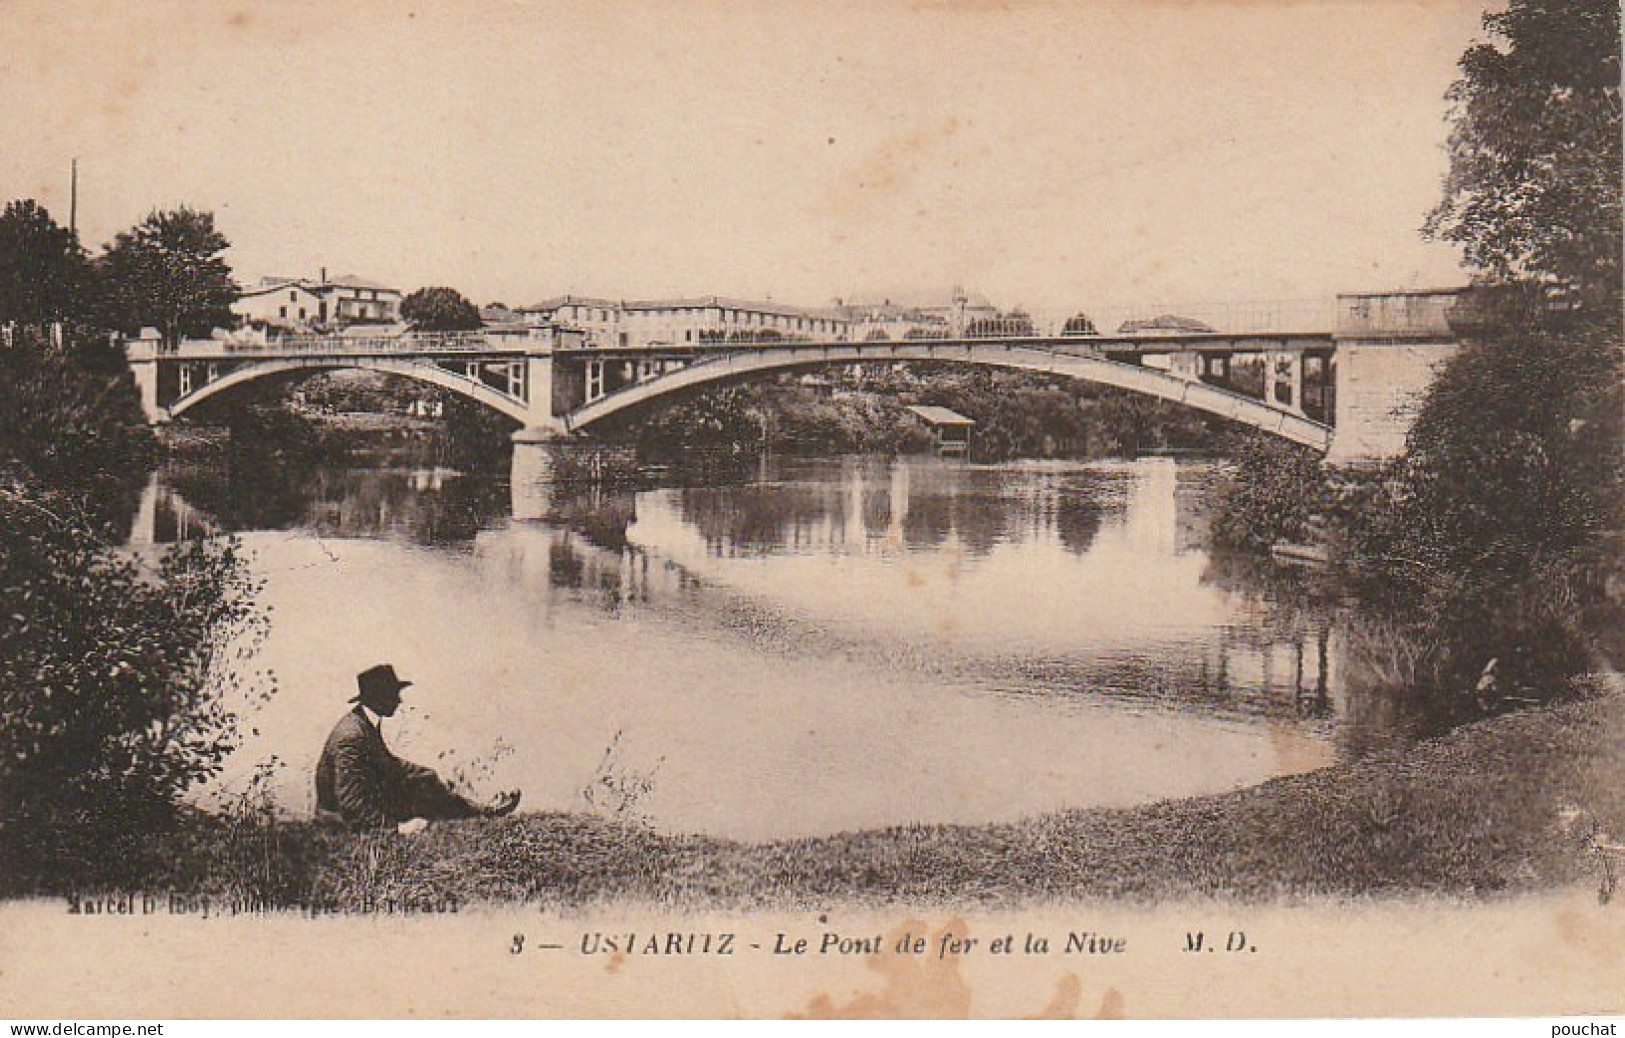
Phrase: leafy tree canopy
pixel 440 310
pixel 167 273
pixel 72 420
pixel 1079 324
pixel 1534 186
pixel 1500 523
pixel 44 276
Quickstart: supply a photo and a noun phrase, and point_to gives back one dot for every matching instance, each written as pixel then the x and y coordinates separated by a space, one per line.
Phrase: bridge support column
pixel 1186 364
pixel 1292 379
pixel 1295 381
pixel 548 394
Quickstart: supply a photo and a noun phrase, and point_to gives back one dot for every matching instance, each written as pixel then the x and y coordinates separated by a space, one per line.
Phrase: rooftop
pixel 940 415
pixel 268 285
pixel 354 281
pixel 557 301
pixel 725 303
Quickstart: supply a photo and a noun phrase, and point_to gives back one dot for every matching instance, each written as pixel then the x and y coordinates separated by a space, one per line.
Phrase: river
pixel 824 645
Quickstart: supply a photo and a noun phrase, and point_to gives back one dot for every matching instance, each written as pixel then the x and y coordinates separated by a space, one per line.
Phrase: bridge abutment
pixel 1380 387
pixel 1389 350
pixel 142 354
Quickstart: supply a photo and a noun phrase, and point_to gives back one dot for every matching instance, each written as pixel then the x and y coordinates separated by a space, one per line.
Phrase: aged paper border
pixel 1548 954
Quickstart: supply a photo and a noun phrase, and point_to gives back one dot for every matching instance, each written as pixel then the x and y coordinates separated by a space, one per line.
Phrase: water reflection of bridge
pixel 165 517
pixel 1283 659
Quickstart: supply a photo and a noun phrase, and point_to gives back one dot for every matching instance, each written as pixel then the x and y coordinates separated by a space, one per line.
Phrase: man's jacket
pixel 359 780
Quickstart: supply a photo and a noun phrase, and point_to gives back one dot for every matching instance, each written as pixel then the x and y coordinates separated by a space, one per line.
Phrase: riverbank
pixel 1488 809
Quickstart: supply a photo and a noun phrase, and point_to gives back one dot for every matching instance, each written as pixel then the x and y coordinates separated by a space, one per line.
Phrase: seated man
pixel 359 782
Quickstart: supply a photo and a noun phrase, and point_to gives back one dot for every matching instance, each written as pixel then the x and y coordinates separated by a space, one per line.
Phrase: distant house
pixel 348 299
pixel 501 317
pixel 919 318
pixel 300 304
pixel 951 429
pixel 721 319
pixel 599 318
pixel 280 303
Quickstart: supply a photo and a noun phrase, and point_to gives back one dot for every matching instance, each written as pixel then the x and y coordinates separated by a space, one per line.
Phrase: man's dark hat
pixel 377 682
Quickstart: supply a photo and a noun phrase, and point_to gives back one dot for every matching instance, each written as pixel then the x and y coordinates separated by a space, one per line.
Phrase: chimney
pixel 324 276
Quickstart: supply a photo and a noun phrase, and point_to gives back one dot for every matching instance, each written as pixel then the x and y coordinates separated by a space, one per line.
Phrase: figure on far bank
pixel 360 783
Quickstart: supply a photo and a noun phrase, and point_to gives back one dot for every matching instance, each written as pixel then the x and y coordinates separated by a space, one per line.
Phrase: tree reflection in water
pixel 426 506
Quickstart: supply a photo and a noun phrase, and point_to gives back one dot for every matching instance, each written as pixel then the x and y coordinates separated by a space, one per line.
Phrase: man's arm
pixel 408 772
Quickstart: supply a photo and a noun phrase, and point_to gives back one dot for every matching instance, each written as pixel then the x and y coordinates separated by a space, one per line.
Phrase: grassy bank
pixel 1476 812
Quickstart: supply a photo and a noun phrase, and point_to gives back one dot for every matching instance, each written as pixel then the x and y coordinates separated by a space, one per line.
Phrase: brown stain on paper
pixel 916 987
pixel 891 169
pixel 1589 934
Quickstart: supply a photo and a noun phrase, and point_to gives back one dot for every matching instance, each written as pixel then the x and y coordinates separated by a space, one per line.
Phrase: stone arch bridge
pixel 1347 391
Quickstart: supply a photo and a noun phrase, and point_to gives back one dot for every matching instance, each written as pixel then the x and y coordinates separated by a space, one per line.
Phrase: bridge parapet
pixel 410 342
pixel 1420 314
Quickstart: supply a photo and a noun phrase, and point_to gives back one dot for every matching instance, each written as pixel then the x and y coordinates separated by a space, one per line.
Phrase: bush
pixel 1273 493
pixel 114 680
pixel 114 672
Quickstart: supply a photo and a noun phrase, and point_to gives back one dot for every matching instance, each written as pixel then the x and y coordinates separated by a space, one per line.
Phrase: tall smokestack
pixel 73 201
pixel 324 275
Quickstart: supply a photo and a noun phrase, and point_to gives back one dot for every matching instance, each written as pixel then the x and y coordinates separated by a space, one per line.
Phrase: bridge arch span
pixel 746 364
pixel 422 372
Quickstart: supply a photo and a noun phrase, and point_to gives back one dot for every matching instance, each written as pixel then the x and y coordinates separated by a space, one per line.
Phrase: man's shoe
pixel 505 804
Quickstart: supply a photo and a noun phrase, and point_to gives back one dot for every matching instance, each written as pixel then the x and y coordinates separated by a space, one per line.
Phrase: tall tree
pixel 44 275
pixel 1499 522
pixel 440 310
pixel 1534 186
pixel 167 273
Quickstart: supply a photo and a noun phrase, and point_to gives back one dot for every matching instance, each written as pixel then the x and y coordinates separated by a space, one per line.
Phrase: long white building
pixel 679 322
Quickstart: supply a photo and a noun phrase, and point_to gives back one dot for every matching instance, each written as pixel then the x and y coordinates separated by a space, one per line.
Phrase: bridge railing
pixel 1246 317
pixel 1243 317
pixel 314 345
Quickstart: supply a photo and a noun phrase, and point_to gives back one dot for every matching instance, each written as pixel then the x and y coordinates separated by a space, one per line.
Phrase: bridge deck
pixel 1150 343
pixel 473 345
pixel 736 361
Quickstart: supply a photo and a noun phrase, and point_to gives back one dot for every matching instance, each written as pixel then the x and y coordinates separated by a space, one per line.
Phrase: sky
pixel 1046 154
